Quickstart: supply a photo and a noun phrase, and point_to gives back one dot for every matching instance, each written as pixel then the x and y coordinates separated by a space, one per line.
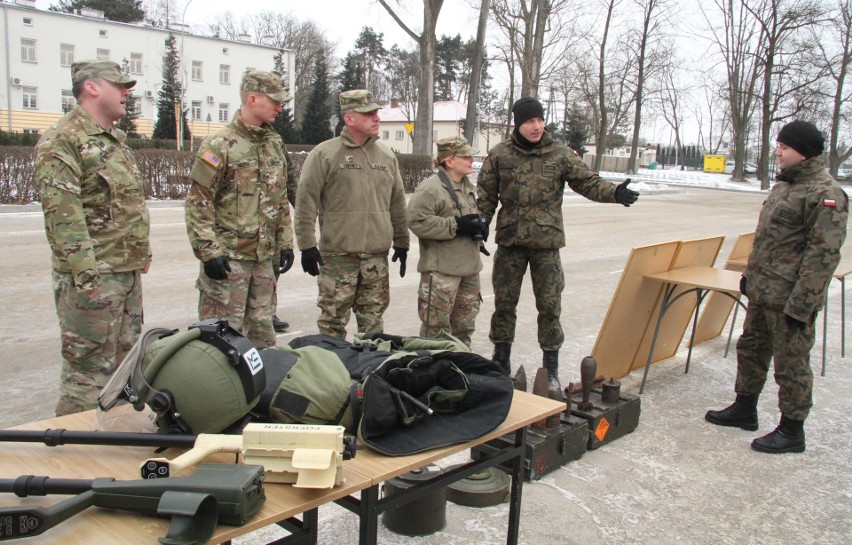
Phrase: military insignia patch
pixel 831 203
pixel 211 159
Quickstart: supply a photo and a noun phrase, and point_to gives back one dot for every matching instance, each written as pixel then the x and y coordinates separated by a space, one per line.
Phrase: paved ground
pixel 676 479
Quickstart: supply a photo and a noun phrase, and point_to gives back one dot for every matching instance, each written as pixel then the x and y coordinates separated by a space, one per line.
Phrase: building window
pixel 68 100
pixel 30 102
pixel 66 54
pixel 224 116
pixel 196 110
pixel 102 33
pixel 136 63
pixel 400 135
pixel 28 50
pixel 103 54
pixel 225 74
pixel 28 21
pixel 196 70
pixel 385 135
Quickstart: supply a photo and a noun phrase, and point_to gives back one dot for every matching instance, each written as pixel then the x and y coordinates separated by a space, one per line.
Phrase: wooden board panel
pixel 717 307
pixel 703 252
pixel 627 320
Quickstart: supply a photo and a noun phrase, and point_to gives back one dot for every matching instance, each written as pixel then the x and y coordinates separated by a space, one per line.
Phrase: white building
pixel 397 122
pixel 40 46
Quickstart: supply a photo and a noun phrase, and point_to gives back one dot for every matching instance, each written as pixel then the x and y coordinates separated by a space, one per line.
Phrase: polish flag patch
pixel 831 203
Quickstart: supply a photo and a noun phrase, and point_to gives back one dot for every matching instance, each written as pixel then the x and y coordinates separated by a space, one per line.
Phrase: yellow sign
pixel 409 127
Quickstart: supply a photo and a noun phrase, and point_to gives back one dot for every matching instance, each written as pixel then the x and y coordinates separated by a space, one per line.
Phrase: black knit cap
pixel 803 137
pixel 526 108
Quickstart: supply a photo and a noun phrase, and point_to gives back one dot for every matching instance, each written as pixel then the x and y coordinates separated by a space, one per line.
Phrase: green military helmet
pixel 202 380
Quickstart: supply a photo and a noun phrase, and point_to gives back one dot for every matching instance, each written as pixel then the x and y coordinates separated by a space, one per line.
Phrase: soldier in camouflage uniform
pixel 450 234
pixel 352 183
pixel 526 175
pixel 797 243
pixel 237 216
pixel 97 227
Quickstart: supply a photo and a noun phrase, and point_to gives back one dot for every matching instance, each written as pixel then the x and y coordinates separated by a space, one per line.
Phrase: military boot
pixel 279 325
pixel 741 414
pixel 789 436
pixel 502 352
pixel 551 363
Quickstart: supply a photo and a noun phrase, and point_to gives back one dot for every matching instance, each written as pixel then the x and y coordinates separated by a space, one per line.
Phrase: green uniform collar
pixel 348 141
pixel 542 146
pixel 805 170
pixel 252 132
pixel 91 127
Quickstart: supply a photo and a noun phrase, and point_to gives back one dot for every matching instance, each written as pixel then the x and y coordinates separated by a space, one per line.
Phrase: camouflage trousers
pixel 450 303
pixel 766 335
pixel 246 299
pixel 548 281
pixel 352 282
pixel 96 332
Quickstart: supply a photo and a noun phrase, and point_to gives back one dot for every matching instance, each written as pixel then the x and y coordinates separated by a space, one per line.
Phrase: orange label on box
pixel 603 427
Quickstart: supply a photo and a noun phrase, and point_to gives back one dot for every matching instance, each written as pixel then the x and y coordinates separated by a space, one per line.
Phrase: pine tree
pixel 128 122
pixel 284 124
pixel 170 96
pixel 576 130
pixel 352 77
pixel 125 11
pixel 316 126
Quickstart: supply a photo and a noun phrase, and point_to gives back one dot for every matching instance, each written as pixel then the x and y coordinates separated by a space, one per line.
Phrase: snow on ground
pixel 658 179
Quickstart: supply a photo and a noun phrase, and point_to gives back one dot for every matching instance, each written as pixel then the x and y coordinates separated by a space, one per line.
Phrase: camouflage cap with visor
pixel 108 70
pixel 258 81
pixel 359 100
pixel 454 146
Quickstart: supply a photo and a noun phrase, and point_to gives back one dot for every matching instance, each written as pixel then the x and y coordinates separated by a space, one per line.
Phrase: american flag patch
pixel 829 202
pixel 211 159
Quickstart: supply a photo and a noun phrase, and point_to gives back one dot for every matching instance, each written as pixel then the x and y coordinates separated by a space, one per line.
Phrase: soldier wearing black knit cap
pixel 797 244
pixel 526 176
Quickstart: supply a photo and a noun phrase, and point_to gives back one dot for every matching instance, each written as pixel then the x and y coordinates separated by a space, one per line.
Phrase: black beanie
pixel 803 137
pixel 526 108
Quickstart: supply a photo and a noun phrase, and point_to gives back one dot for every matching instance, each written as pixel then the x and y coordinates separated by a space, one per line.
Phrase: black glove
pixel 793 324
pixel 217 268
pixel 743 286
pixel 311 260
pixel 485 226
pixel 484 250
pixel 401 254
pixel 625 195
pixel 285 260
pixel 468 225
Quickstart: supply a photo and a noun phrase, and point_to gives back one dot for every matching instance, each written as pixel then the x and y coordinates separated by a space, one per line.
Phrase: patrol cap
pixel 359 100
pixel 258 81
pixel 454 145
pixel 108 70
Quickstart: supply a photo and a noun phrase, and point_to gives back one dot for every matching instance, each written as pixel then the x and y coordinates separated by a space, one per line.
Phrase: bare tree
pixel 426 40
pixel 717 114
pixel 603 122
pixel 653 16
pixel 284 31
pixel 476 72
pixel 739 41
pixel 779 22
pixel 834 59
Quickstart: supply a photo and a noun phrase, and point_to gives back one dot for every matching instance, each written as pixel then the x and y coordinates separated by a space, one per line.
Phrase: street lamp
pixel 181 86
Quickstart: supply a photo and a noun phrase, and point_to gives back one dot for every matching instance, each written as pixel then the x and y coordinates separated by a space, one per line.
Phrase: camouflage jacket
pixel 93 200
pixel 357 193
pixel 237 201
pixel 797 243
pixel 432 217
pixel 528 184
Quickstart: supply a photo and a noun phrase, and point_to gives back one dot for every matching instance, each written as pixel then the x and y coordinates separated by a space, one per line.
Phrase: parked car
pixel 748 168
pixel 844 174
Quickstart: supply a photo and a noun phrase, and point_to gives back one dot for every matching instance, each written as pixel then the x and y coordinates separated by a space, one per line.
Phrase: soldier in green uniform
pixel 237 216
pixel 443 214
pixel 796 249
pixel 526 176
pixel 97 227
pixel 352 184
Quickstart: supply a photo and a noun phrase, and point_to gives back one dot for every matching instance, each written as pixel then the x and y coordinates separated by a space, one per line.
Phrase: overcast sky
pixel 341 19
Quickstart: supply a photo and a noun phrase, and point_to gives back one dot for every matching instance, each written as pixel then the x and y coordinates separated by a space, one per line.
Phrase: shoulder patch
pixel 831 203
pixel 211 159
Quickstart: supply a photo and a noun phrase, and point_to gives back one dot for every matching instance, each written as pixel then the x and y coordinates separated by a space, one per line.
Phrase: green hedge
pixel 165 171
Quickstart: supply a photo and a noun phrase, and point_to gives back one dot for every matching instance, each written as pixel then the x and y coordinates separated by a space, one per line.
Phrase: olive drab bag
pixel 403 394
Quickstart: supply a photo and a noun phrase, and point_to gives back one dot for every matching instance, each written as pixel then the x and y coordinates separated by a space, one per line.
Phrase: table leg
pixel 369 515
pixel 731 331
pixel 517 487
pixel 700 294
pixel 667 293
pixel 304 532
